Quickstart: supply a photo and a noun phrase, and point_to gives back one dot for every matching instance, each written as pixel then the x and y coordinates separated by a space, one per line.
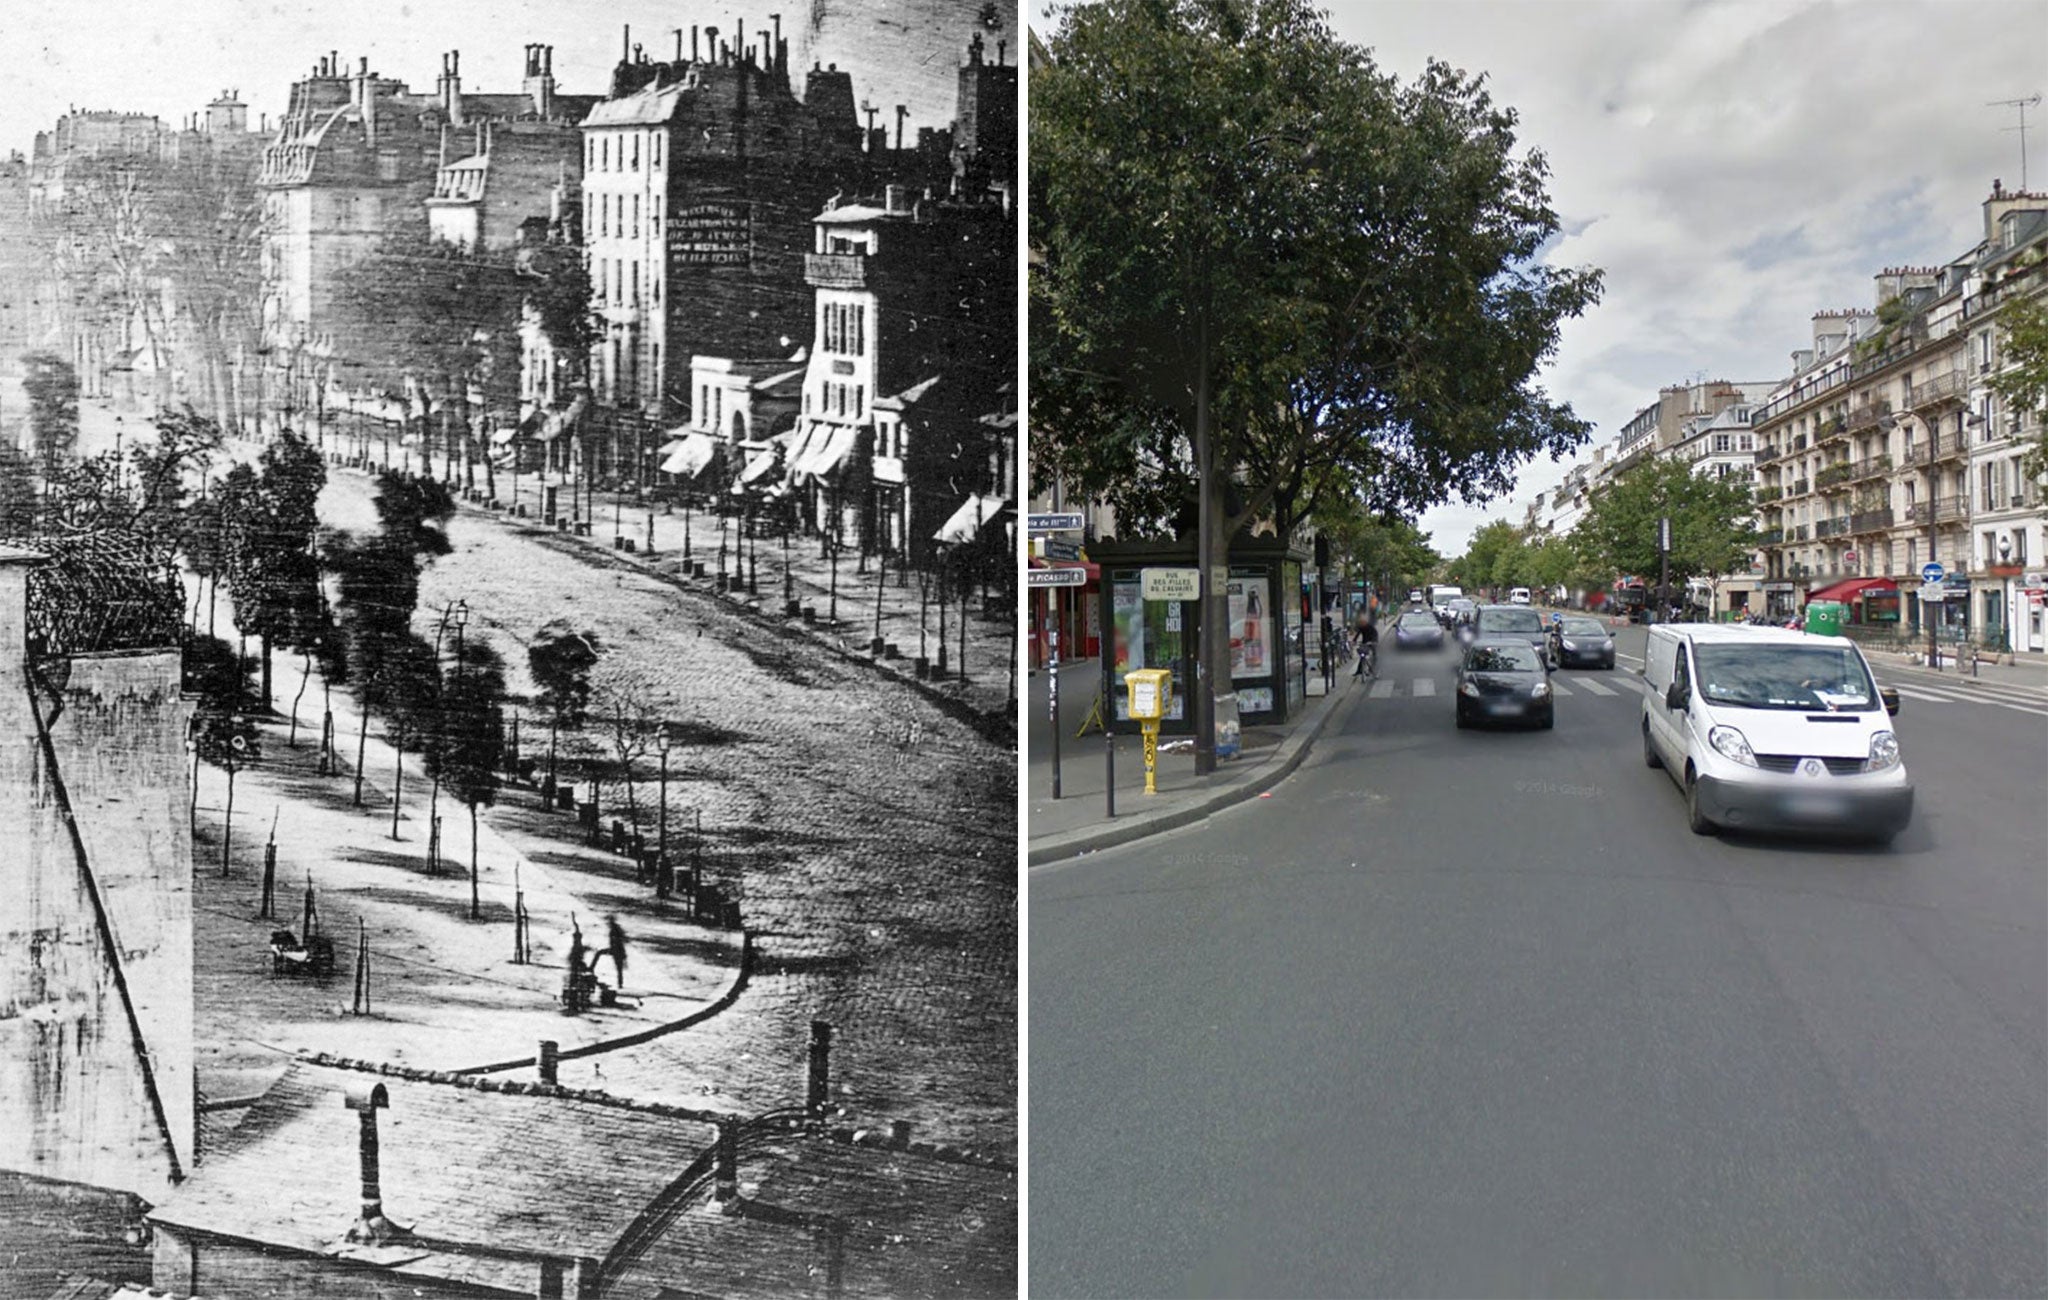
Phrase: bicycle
pixel 1369 658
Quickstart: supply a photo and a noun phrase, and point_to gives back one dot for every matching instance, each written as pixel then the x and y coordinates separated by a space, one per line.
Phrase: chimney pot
pixel 899 1134
pixel 550 1060
pixel 727 1180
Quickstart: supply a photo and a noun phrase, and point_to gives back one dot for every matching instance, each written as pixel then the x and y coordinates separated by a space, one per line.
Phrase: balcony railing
pixel 1799 534
pixel 1948 445
pixel 1797 488
pixel 1770 537
pixel 1831 527
pixel 1799 442
pixel 1950 508
pixel 1917 453
pixel 1764 496
pixel 1866 416
pixel 1871 467
pixel 1870 521
pixel 1951 387
pixel 1834 476
pixel 1765 455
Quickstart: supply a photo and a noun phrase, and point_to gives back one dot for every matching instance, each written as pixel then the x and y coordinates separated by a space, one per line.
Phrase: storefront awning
pixel 825 451
pixel 759 466
pixel 563 421
pixel 690 455
pixel 1851 588
pixel 967 522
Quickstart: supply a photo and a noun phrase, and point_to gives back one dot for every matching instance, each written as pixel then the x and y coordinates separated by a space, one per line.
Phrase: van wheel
pixel 1650 759
pixel 1694 818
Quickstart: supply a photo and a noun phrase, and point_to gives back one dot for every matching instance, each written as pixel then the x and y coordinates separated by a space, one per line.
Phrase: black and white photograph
pixel 509 650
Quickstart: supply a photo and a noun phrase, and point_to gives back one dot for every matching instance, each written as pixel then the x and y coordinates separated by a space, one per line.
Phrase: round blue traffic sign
pixel 1931 572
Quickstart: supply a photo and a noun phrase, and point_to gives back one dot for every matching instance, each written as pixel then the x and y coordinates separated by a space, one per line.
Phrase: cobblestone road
pixel 872 836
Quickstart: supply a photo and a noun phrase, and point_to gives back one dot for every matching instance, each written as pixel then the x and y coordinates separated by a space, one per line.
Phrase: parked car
pixel 1502 681
pixel 1418 630
pixel 1576 640
pixel 1518 596
pixel 1415 596
pixel 1767 729
pixel 1521 623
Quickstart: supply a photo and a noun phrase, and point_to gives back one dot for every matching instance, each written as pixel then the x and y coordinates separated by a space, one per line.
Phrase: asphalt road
pixel 1472 1013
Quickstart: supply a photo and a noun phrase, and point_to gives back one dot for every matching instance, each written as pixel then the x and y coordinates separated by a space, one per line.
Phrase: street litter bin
pixel 1824 617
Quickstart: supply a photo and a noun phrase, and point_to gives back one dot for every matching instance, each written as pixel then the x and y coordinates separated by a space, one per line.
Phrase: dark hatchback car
pixel 1418 630
pixel 1504 681
pixel 1512 623
pixel 1576 642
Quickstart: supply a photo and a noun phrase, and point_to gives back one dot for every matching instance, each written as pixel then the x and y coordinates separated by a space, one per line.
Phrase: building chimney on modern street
pixel 819 1094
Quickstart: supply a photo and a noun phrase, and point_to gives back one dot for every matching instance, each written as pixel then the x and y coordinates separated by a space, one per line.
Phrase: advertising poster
pixel 1251 627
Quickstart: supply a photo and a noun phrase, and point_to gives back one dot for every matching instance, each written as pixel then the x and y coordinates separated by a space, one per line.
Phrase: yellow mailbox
pixel 1151 699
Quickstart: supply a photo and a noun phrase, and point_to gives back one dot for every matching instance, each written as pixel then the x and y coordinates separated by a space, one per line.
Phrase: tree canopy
pixel 1711 523
pixel 1235 208
pixel 2023 382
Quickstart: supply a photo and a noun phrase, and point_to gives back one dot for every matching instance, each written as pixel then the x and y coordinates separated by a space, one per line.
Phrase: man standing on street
pixel 615 949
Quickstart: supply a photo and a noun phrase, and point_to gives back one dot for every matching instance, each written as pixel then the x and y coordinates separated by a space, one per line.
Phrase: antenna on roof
pixel 2022 105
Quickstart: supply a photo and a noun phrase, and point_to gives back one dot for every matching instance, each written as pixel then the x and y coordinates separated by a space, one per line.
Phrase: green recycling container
pixel 1824 617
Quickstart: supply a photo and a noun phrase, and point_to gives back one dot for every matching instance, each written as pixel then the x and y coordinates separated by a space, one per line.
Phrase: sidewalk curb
pixel 639 1036
pixel 1130 827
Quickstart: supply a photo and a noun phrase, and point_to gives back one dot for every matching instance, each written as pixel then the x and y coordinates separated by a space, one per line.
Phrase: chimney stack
pixel 372 1227
pixel 899 1134
pixel 819 1095
pixel 726 1185
pixel 550 1060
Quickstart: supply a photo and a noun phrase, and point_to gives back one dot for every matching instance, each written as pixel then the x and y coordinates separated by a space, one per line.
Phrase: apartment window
pixel 654 213
pixel 636 216
pixel 1911 489
pixel 1912 554
pixel 1747 442
pixel 860 396
pixel 636 153
pixel 604 155
pixel 860 323
pixel 1986 500
pixel 654 155
pixel 2019 546
pixel 633 283
pixel 1723 444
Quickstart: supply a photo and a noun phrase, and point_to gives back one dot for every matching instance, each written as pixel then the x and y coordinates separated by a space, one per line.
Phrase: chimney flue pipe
pixel 726 1185
pixel 819 1094
pixel 372 1226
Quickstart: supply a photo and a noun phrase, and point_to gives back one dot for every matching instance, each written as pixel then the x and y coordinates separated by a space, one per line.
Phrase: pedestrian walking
pixel 615 948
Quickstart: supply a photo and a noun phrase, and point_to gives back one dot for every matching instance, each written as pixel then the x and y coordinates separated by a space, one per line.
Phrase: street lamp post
pixel 2005 609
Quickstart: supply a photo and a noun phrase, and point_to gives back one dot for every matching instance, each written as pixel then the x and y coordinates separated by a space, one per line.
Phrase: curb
pixel 1129 828
pixel 639 1036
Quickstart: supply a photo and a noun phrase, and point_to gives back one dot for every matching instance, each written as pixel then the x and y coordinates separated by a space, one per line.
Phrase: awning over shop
pixel 1851 588
pixel 689 456
pixel 826 458
pixel 563 421
pixel 968 521
pixel 759 466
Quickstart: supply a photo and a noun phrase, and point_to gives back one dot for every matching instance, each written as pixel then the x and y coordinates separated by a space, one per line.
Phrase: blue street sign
pixel 1931 572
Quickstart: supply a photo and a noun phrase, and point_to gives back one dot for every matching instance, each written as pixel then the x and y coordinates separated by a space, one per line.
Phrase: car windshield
pixel 1511 620
pixel 1505 657
pixel 1785 677
pixel 1584 627
pixel 1416 620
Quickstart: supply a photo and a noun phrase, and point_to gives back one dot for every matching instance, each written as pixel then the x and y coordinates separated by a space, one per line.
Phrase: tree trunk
pixel 362 748
pixel 292 737
pixel 265 639
pixel 475 907
pixel 397 779
pixel 227 830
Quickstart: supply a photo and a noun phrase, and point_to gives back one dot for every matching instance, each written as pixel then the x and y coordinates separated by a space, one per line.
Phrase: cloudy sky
pixel 169 57
pixel 1734 167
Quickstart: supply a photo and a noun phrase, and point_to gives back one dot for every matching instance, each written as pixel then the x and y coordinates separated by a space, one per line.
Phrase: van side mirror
pixel 1675 696
pixel 1890 696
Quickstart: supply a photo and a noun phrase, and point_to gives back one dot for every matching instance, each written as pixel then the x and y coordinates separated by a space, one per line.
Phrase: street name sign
pixel 1059 548
pixel 1931 572
pixel 1934 591
pixel 1170 584
pixel 1056 578
pixel 1061 522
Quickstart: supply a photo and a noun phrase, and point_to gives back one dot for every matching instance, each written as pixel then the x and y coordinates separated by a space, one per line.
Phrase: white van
pixel 1518 596
pixel 1768 729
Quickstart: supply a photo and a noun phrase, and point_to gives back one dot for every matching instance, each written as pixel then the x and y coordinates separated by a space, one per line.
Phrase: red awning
pixel 1852 588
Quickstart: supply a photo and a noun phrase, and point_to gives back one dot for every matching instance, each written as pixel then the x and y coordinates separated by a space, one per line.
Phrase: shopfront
pixel 1871 602
pixel 1264 611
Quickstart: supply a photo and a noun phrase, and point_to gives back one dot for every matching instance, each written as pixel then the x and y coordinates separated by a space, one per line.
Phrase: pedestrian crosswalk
pixel 1921 688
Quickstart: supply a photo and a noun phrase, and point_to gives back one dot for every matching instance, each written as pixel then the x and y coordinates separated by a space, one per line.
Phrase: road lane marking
pixel 1931 697
pixel 1558 688
pixel 1383 690
pixel 1593 686
pixel 1424 687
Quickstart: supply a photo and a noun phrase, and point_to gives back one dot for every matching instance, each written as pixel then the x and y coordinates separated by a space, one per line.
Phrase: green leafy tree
pixel 1711 529
pixel 1259 250
pixel 17 492
pixel 2022 383
pixel 274 567
pixel 223 734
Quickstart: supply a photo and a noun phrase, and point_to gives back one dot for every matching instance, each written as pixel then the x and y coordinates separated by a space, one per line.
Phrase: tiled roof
pixel 483 1163
pixel 916 1221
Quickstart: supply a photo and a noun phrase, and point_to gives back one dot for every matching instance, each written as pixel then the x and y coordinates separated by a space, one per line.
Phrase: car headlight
pixel 1468 688
pixel 1884 751
pixel 1730 743
pixel 1569 645
pixel 1540 689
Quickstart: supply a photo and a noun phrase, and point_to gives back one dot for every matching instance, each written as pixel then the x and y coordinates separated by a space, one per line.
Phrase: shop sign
pixel 711 234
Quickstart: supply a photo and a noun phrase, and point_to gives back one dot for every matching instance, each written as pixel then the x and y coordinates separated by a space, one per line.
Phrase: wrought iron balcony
pixel 1834 476
pixel 1949 445
pixel 1766 454
pixel 1764 496
pixel 1770 537
pixel 1942 390
pixel 1871 467
pixel 1871 521
pixel 1830 528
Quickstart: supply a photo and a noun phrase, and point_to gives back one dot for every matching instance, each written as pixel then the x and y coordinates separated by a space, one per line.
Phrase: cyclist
pixel 1368 648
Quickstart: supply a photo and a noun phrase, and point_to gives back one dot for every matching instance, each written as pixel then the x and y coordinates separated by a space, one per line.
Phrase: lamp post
pixel 2005 609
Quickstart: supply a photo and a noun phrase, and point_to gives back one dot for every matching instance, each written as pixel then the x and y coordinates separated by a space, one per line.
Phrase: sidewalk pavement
pixel 981 683
pixel 444 991
pixel 1079 821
